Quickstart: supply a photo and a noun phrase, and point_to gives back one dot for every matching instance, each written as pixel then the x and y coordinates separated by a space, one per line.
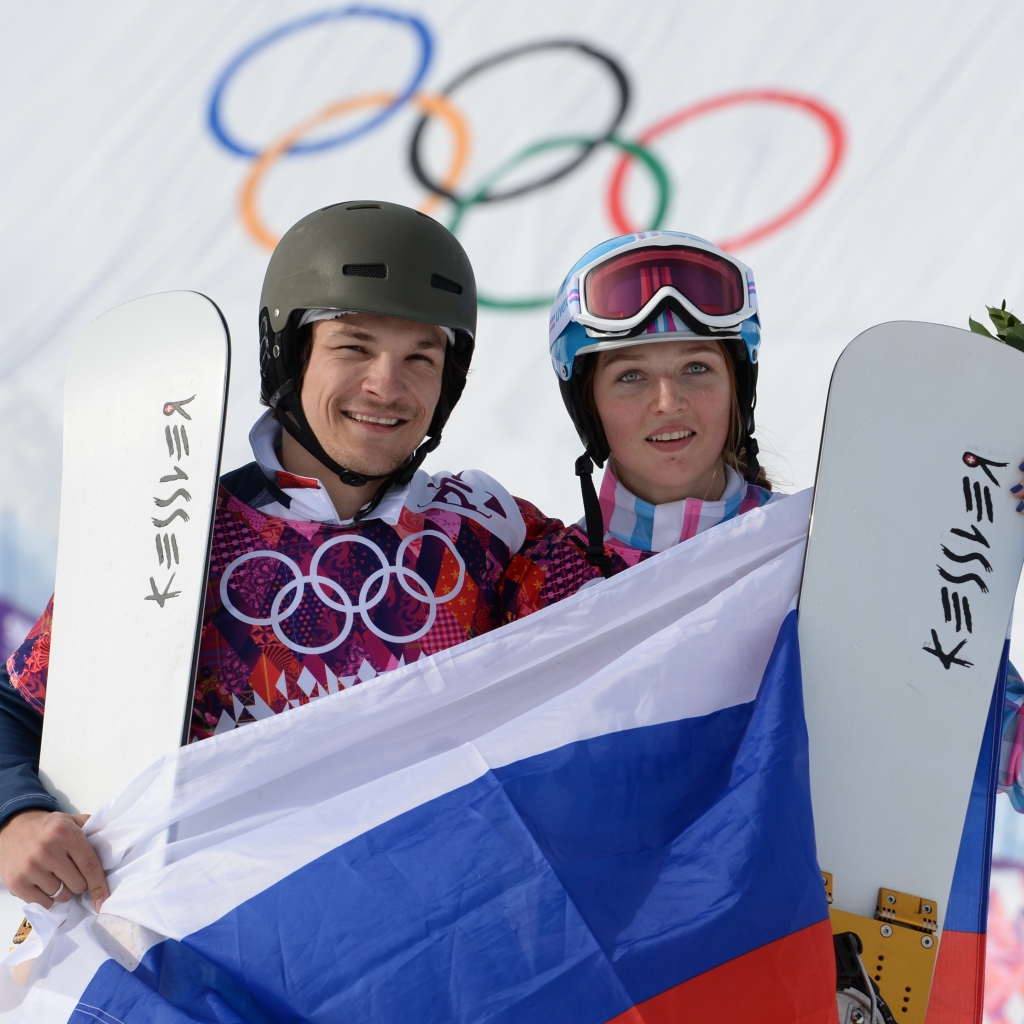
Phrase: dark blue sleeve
pixel 21 732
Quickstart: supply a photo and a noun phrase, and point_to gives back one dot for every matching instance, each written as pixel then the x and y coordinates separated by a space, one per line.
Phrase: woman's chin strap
pixel 753 466
pixel 596 555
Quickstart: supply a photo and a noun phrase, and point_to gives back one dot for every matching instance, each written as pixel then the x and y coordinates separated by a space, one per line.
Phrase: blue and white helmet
pixel 574 330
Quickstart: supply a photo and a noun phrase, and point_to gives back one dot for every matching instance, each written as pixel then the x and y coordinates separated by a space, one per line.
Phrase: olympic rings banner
pixel 843 153
pixel 442 106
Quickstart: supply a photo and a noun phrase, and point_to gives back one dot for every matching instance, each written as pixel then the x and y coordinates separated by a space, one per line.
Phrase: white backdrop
pixel 114 185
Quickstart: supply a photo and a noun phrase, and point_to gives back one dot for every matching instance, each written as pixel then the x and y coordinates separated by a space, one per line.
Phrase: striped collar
pixel 647 527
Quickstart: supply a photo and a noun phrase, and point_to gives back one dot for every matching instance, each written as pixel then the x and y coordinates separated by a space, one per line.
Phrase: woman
pixel 655 339
pixel 674 420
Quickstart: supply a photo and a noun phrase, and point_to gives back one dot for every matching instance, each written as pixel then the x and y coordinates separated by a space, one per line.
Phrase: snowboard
pixel 913 556
pixel 144 405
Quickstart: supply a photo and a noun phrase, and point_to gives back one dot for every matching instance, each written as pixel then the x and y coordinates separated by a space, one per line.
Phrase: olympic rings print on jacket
pixel 441 104
pixel 374 589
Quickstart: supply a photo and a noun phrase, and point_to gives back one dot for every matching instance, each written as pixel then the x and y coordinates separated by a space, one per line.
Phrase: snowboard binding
pixel 886 960
pixel 857 995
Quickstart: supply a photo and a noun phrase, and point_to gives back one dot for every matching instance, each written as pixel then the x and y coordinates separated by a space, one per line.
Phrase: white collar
pixel 310 503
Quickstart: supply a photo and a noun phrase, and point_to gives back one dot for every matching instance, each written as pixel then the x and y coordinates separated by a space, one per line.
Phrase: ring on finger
pixel 58 892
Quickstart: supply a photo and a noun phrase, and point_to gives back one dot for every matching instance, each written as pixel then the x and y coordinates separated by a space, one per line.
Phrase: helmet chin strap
pixel 595 552
pixel 285 402
pixel 753 466
pixel 288 406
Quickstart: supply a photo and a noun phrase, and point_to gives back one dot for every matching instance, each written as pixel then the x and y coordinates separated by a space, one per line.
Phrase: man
pixel 335 557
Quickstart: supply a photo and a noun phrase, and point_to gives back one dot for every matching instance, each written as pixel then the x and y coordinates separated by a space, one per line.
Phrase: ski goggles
pixel 620 291
pixel 611 296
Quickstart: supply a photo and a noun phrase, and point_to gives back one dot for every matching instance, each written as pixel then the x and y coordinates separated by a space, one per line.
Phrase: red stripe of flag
pixel 789 981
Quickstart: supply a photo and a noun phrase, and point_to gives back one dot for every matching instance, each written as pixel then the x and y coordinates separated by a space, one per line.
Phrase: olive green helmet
pixel 366 257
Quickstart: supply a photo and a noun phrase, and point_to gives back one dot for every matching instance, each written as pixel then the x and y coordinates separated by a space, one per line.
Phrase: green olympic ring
pixel 644 155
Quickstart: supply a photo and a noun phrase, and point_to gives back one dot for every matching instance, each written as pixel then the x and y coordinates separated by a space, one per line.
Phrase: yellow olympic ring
pixel 440 106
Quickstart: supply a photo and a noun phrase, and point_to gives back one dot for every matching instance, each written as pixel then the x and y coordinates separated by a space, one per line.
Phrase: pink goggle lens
pixel 620 288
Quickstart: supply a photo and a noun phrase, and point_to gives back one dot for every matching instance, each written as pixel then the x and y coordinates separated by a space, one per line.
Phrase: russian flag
pixel 600 813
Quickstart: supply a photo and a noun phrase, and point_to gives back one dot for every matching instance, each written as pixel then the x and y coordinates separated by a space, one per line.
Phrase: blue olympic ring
pixel 426 52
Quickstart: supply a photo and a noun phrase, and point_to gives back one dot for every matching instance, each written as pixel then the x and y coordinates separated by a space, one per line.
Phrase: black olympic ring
pixel 550 44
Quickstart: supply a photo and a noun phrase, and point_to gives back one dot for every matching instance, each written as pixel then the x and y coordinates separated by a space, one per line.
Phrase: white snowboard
pixel 144 405
pixel 913 558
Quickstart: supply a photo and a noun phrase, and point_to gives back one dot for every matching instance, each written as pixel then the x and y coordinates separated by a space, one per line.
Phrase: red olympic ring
pixel 829 121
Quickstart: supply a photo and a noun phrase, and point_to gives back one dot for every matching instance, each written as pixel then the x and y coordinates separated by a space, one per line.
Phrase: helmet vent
pixel 365 269
pixel 364 206
pixel 437 281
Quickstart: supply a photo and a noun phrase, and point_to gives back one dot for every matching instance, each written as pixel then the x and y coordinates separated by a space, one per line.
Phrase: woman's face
pixel 666 409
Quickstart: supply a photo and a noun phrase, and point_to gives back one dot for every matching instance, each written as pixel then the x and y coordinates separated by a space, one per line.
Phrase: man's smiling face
pixel 370 388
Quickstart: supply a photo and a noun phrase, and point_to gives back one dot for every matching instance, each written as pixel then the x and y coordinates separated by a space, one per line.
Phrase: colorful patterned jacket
pixel 300 605
pixel 299 608
pixel 296 609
